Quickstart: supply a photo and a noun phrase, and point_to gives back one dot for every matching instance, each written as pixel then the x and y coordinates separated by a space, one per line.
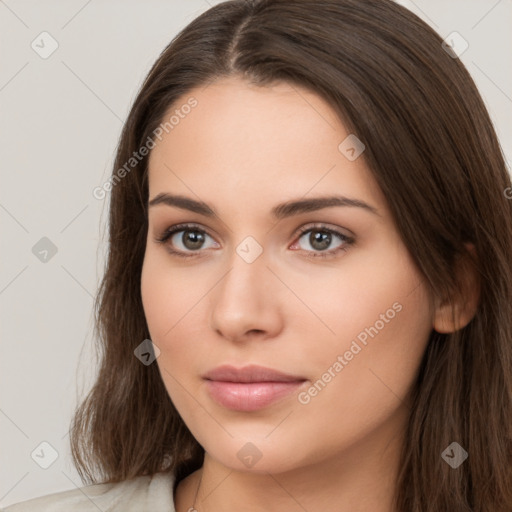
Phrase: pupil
pixel 320 240
pixel 192 239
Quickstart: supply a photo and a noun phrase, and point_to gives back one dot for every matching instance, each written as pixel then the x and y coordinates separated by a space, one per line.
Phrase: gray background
pixel 60 122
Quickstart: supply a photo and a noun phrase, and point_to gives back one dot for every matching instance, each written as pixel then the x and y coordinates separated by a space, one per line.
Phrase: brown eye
pixel 320 241
pixel 185 240
pixel 192 240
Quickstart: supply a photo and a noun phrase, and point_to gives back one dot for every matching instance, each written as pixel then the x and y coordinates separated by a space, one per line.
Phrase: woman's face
pixel 329 295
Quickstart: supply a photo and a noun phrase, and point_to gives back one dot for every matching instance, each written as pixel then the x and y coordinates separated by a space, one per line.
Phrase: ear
pixel 454 313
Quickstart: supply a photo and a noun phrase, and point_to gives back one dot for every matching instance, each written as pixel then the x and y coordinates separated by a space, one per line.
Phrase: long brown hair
pixel 430 145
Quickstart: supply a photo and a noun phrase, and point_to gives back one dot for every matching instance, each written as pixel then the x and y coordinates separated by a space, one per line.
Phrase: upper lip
pixel 251 373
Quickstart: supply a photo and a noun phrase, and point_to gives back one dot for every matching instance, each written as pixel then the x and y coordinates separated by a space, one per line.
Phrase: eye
pixel 320 238
pixel 185 238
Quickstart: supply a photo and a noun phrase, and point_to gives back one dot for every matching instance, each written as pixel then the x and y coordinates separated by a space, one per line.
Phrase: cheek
pixel 173 300
pixel 168 299
pixel 373 294
pixel 380 355
pixel 168 294
pixel 172 305
pixel 380 314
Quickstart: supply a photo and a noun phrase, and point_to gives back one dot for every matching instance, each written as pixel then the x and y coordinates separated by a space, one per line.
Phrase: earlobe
pixel 455 313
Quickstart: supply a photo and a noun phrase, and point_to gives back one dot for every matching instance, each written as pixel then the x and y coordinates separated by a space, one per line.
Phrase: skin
pixel 243 150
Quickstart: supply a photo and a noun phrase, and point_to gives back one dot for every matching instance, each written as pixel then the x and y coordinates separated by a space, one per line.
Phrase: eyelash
pixel 347 241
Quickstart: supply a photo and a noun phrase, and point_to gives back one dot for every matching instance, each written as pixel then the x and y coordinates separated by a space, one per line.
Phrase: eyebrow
pixel 281 211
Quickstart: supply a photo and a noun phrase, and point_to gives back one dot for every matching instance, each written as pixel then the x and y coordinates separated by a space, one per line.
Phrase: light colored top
pixel 140 494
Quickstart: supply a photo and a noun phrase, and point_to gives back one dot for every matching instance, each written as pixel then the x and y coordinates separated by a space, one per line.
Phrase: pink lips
pixel 249 388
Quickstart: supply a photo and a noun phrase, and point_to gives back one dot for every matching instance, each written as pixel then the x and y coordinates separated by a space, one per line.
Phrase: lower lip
pixel 240 396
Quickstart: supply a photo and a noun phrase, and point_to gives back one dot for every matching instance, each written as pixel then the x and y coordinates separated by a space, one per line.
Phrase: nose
pixel 246 302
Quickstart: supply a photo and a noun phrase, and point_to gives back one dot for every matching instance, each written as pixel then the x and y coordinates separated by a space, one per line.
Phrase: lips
pixel 250 388
pixel 252 373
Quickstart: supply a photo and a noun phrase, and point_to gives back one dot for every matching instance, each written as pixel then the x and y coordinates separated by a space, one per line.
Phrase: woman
pixel 307 303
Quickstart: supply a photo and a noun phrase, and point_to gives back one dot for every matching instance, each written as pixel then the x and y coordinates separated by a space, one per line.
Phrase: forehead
pixel 243 140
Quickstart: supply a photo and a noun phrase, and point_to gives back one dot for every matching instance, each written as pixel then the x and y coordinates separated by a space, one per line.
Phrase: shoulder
pixel 152 493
